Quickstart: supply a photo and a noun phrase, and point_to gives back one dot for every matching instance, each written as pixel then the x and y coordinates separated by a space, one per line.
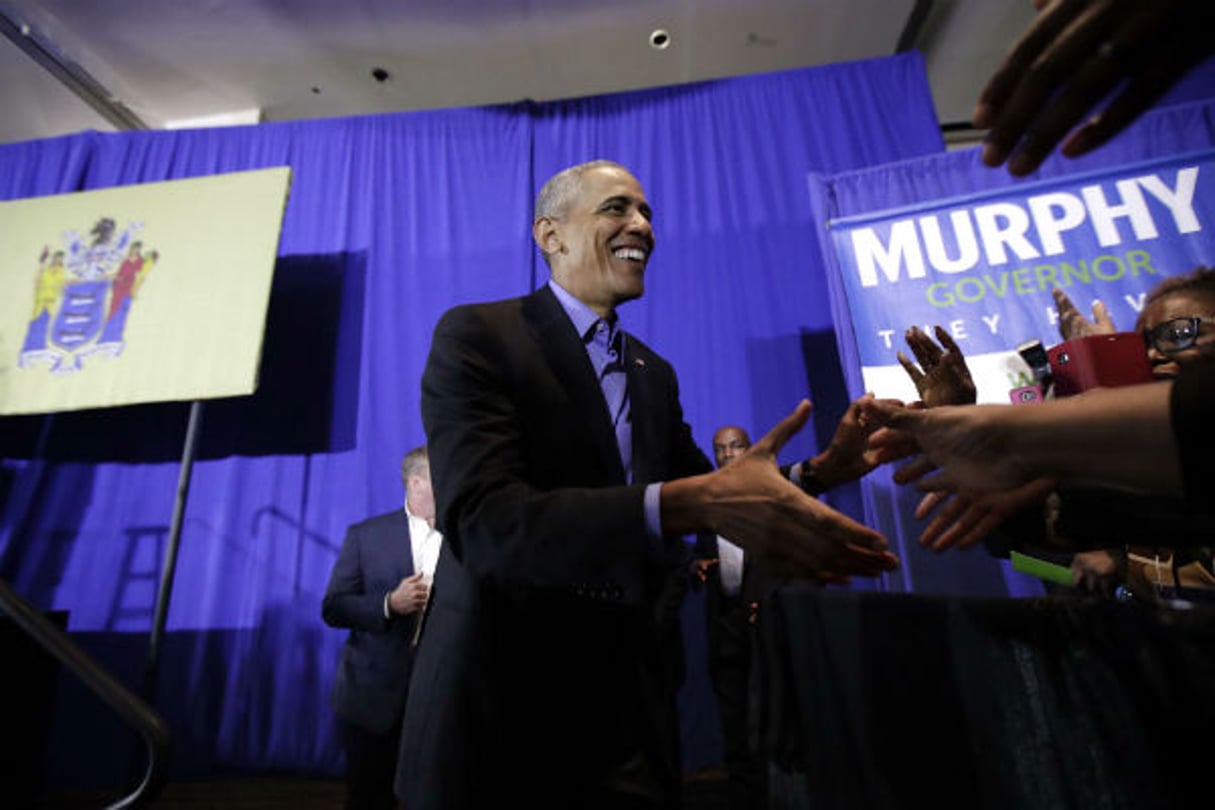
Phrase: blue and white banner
pixel 983 266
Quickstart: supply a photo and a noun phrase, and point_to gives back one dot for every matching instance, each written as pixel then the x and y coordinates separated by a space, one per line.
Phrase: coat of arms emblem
pixel 83 295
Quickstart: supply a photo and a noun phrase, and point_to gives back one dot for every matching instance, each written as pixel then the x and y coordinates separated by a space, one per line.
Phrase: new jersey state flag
pixel 146 293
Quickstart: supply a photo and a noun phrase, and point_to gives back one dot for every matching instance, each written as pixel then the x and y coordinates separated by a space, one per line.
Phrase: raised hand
pixel 1073 324
pixel 1077 53
pixel 942 378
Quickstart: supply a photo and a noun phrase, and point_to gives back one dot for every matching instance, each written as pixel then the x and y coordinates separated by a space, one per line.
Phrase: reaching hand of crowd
pixel 965 447
pixel 849 455
pixel 1074 56
pixel 942 377
pixel 1073 324
pixel 966 518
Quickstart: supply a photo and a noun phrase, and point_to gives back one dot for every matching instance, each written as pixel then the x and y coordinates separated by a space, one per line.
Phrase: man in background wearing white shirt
pixel 735 583
pixel 378 589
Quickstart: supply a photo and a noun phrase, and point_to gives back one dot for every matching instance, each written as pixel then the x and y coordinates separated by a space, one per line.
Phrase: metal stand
pixel 152 667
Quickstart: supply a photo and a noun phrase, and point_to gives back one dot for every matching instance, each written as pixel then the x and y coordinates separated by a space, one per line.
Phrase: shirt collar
pixel 414 519
pixel 582 316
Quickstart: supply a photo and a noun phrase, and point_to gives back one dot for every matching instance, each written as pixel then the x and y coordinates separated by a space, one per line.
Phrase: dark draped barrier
pixel 391 220
pixel 897 701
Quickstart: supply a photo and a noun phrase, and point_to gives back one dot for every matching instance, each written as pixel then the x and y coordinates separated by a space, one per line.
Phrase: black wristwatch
pixel 811 484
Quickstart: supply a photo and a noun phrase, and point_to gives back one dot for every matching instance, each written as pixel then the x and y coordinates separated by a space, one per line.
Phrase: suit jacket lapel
pixel 402 546
pixel 562 348
pixel 643 409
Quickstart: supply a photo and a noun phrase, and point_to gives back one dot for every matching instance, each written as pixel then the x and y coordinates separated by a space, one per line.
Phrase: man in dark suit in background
pixel 736 583
pixel 565 479
pixel 378 589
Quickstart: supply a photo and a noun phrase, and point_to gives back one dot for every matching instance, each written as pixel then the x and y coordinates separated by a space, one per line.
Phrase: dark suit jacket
pixel 540 669
pixel 373 671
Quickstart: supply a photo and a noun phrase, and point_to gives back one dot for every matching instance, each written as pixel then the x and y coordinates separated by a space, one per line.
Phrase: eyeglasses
pixel 1174 336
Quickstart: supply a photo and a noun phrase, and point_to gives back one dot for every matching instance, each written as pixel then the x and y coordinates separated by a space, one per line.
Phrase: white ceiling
pixel 172 63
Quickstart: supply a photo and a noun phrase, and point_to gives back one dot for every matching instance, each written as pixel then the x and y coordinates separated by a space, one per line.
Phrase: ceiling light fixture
pixel 660 39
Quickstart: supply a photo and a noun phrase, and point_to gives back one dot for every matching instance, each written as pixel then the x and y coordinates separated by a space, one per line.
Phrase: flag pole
pixel 152 667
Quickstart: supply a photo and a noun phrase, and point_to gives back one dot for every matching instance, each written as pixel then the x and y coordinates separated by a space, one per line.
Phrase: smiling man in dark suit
pixel 565 479
pixel 378 589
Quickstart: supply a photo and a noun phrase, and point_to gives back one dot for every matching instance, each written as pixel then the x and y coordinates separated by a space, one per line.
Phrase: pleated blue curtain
pixel 735 293
pixel 413 213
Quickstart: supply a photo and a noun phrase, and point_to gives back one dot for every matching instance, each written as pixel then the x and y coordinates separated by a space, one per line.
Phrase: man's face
pixel 420 496
pixel 728 444
pixel 600 245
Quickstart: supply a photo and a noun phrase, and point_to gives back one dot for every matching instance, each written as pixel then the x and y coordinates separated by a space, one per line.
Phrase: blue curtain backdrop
pixel 1170 130
pixel 391 220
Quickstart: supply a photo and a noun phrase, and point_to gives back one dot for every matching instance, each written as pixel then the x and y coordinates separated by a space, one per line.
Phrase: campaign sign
pixel 983 266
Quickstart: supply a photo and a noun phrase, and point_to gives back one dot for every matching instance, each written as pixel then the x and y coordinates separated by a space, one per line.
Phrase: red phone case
pixel 1104 361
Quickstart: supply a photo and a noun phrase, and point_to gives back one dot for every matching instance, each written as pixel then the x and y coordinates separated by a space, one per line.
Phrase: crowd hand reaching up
pixel 1073 324
pixel 942 377
pixel 758 508
pixel 848 456
pixel 967 445
pixel 965 518
pixel 409 596
pixel 1075 54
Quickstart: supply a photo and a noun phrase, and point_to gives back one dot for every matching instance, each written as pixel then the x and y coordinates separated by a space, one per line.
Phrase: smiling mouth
pixel 632 254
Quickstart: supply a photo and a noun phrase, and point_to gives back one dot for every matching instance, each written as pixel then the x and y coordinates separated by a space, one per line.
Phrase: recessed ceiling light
pixel 660 39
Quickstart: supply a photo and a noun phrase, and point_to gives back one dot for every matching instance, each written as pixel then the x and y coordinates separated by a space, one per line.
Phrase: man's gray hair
pixel 559 192
pixel 416 462
pixel 556 195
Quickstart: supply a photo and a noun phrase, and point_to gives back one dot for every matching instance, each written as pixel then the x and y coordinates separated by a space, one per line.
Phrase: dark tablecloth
pixel 877 700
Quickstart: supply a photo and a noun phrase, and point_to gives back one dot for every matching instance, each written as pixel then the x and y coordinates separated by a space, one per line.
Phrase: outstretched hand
pixel 752 504
pixel 967 445
pixel 1073 324
pixel 965 518
pixel 1077 53
pixel 942 377
pixel 849 456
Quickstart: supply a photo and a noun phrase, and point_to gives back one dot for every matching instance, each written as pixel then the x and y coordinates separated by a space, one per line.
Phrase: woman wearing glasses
pixel 1178 322
pixel 1178 327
